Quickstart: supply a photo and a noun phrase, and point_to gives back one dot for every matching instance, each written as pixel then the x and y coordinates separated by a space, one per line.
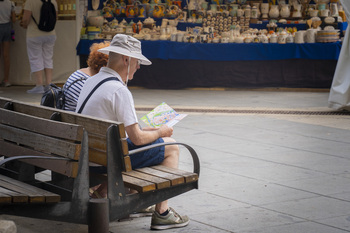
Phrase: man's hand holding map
pixel 162 114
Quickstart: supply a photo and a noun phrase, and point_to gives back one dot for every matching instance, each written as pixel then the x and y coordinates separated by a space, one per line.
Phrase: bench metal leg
pixel 99 216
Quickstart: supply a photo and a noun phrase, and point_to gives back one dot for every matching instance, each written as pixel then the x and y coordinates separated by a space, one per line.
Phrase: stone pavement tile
pixel 314 208
pixel 31 225
pixel 277 173
pixel 305 159
pixel 201 202
pixel 326 185
pixel 142 225
pixel 309 227
pixel 260 193
pixel 342 195
pixel 212 180
pixel 342 222
pixel 236 98
pixel 243 219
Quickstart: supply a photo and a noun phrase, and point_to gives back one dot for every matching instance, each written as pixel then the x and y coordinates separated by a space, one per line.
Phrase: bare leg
pixel 38 77
pixel 6 53
pixel 171 159
pixel 48 75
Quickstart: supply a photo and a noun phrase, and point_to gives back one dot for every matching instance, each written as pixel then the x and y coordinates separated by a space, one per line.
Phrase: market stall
pixel 225 43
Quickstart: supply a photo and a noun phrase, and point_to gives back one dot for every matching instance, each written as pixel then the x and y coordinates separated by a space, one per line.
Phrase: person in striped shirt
pixel 75 82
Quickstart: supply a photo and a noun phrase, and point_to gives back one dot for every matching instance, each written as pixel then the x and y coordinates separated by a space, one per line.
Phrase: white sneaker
pixel 5 84
pixel 171 220
pixel 36 90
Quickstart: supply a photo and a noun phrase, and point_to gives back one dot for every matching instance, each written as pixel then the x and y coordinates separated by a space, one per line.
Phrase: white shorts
pixel 40 52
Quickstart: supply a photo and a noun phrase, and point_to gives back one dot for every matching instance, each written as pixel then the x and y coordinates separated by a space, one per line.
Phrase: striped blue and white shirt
pixel 72 93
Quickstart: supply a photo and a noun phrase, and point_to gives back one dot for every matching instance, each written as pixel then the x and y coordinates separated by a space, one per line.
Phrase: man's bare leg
pixel 171 159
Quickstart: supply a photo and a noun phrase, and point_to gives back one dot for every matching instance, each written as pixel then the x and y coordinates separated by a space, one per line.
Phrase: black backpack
pixel 54 97
pixel 47 20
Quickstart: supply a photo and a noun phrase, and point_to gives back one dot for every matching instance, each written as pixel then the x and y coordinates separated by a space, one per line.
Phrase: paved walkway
pixel 260 172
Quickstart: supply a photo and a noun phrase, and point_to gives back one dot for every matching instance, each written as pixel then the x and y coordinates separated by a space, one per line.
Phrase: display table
pixel 183 65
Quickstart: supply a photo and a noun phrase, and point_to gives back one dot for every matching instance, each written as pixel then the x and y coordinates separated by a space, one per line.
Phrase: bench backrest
pixel 42 128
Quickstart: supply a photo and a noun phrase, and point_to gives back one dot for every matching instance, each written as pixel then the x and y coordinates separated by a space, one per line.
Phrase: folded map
pixel 162 114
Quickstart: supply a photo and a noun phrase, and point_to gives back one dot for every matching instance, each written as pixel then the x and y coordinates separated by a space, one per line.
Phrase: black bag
pixel 47 20
pixel 54 97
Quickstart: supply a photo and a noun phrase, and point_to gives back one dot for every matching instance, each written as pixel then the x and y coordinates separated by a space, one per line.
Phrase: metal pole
pixel 99 215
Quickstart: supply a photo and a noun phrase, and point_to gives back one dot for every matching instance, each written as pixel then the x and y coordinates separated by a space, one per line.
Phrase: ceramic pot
pixel 297 10
pixel 273 39
pixel 299 37
pixel 274 12
pixel 264 10
pixel 334 9
pixel 325 13
pixel 96 21
pixel 310 35
pixel 282 38
pixel 285 11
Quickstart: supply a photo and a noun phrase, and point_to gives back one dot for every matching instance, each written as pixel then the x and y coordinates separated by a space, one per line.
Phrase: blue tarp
pixel 231 51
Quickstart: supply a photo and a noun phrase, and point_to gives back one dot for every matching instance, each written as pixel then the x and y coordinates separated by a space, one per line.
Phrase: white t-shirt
pixel 112 100
pixel 35 7
pixel 6 7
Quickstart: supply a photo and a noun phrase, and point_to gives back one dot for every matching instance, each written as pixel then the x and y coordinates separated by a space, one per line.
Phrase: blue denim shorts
pixel 146 158
pixel 143 159
pixel 5 32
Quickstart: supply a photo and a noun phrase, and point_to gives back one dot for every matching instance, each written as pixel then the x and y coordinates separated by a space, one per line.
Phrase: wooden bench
pixel 34 138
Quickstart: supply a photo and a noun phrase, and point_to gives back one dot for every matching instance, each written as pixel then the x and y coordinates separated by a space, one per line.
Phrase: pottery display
pixel 226 22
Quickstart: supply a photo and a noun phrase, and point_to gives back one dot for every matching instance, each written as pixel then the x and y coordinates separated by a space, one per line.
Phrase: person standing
pixel 7 16
pixel 40 45
pixel 339 95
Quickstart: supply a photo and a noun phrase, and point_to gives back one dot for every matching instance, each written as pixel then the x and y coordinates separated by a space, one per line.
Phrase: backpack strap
pixel 93 90
pixel 35 21
pixel 77 80
pixel 34 18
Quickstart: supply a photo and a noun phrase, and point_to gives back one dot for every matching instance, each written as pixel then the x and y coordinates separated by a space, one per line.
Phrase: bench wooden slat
pixel 138 184
pixel 174 179
pixel 13 196
pixel 42 126
pixel 189 176
pixel 4 197
pixel 67 168
pixel 32 196
pixel 35 194
pixel 91 124
pixel 159 182
pixel 96 127
pixel 97 152
pixel 41 142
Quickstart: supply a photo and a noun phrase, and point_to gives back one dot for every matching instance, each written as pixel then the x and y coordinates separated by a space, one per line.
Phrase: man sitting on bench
pixel 112 100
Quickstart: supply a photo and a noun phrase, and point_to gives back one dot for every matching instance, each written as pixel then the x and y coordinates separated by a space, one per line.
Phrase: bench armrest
pixel 196 165
pixel 2 162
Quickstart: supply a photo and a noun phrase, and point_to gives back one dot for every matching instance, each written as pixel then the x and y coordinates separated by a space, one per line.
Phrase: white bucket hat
pixel 128 46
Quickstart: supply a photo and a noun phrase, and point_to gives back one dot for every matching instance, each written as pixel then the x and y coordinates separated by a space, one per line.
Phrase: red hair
pixel 97 59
